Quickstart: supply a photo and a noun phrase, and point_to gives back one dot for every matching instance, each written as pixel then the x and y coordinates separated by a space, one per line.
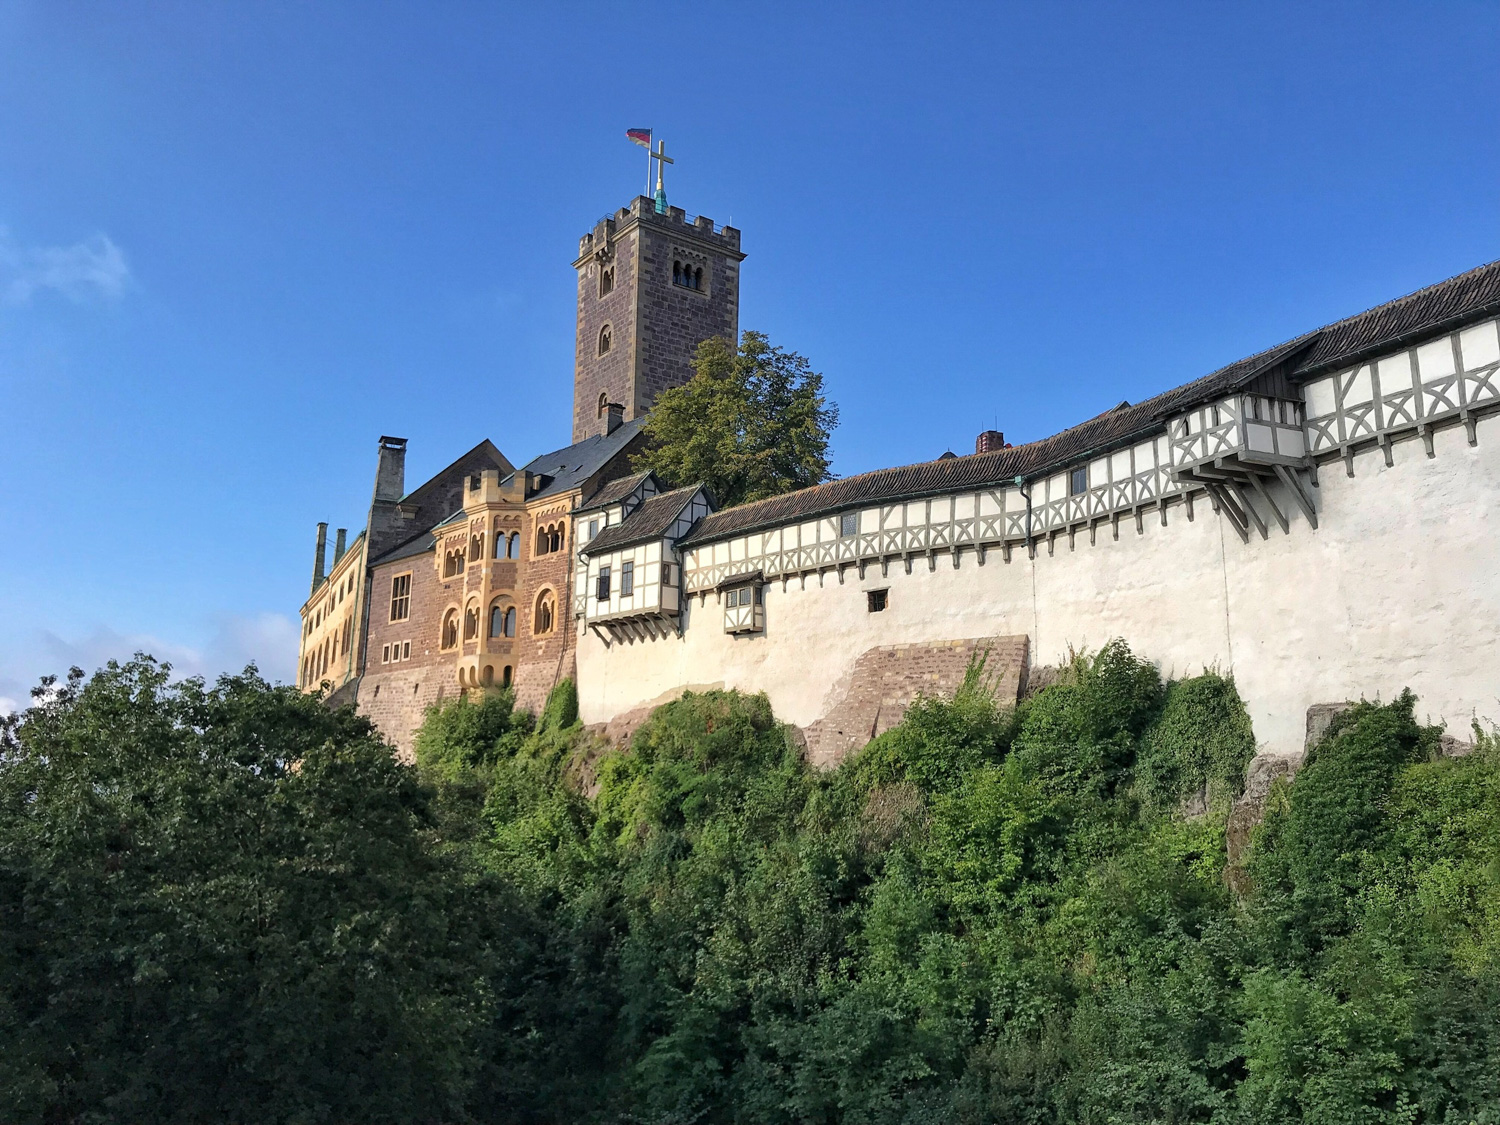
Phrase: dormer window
pixel 606 281
pixel 606 341
pixel 687 275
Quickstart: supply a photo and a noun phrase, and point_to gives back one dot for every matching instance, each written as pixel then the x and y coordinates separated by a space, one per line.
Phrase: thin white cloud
pixel 89 270
pixel 268 640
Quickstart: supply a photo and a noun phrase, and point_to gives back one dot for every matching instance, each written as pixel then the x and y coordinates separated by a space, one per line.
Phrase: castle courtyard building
pixel 1315 519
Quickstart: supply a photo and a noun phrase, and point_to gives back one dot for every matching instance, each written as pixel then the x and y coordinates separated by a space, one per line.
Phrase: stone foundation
pixel 875 693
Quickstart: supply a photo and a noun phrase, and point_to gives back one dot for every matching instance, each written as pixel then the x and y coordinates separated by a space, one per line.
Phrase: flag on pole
pixel 641 137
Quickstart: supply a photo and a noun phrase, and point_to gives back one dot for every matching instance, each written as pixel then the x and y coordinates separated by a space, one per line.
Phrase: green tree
pixel 752 422
pixel 221 903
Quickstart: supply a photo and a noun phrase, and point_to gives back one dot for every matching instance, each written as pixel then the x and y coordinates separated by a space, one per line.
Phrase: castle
pixel 1312 519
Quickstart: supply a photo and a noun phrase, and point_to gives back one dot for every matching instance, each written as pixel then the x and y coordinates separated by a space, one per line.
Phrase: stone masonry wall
pixel 610 373
pixel 542 660
pixel 396 695
pixel 880 685
pixel 674 319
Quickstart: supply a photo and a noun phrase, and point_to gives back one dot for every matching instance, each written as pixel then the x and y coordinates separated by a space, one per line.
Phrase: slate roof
pixel 649 521
pixel 1443 307
pixel 612 492
pixel 571 467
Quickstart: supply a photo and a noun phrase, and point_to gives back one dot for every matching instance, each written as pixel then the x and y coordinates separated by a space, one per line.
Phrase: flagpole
pixel 648 170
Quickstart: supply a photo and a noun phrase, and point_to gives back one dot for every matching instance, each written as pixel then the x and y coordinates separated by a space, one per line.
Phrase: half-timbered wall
pixel 1384 580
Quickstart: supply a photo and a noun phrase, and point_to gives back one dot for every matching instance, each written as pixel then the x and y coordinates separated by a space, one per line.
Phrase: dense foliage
pixel 987 915
pixel 752 422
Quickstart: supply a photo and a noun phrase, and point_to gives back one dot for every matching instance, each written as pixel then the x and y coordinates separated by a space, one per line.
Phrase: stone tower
pixel 650 288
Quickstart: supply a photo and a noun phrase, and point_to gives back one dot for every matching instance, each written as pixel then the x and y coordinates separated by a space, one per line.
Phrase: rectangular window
pixel 385 655
pixel 760 595
pixel 603 589
pixel 593 528
pixel 627 579
pixel 1078 482
pixel 401 597
pixel 848 524
pixel 666 574
pixel 405 650
pixel 875 600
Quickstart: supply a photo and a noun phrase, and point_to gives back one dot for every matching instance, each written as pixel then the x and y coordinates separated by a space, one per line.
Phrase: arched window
pixel 515 545
pixel 606 339
pixel 606 281
pixel 603 402
pixel 476 547
pixel 554 539
pixel 505 677
pixel 510 622
pixel 471 623
pixel 450 629
pixel 676 273
pixel 541 541
pixel 499 544
pixel 698 278
pixel 545 616
pixel 497 621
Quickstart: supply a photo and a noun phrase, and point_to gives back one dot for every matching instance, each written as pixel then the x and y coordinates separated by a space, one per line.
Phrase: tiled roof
pixel 572 467
pixel 649 521
pixel 612 492
pixel 1447 305
pixel 1442 307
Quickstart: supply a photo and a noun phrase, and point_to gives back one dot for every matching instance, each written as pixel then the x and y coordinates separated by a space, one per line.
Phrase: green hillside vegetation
pixel 228 903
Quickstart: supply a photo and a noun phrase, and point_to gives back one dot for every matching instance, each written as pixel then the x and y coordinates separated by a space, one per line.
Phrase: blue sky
pixel 240 242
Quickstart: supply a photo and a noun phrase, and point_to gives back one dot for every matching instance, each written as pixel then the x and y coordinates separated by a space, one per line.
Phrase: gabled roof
pixel 649 521
pixel 1443 307
pixel 571 467
pixel 612 492
pixel 433 501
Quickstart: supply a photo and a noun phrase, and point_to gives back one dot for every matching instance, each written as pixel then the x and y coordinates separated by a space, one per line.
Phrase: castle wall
pixel 395 693
pixel 1396 588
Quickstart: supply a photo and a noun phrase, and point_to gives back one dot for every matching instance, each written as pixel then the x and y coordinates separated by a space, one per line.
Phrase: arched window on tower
pixel 603 402
pixel 471 623
pixel 450 629
pixel 514 550
pixel 545 615
pixel 606 339
pixel 606 281
pixel 510 622
pixel 676 273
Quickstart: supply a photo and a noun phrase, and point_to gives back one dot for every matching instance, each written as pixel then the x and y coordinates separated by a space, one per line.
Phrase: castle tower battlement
pixel 651 288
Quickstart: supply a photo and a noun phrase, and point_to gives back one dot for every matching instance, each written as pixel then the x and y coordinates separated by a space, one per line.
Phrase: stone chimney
pixel 386 526
pixel 614 418
pixel 991 441
pixel 390 470
pixel 318 558
pixel 338 545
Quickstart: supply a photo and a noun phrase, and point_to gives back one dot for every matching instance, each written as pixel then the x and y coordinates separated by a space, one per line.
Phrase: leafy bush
pixel 988 915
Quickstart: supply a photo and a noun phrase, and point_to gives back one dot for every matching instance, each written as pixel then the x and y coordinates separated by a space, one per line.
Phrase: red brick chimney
pixel 990 441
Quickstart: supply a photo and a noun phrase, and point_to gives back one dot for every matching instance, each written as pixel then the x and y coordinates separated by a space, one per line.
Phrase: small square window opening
pixel 875 600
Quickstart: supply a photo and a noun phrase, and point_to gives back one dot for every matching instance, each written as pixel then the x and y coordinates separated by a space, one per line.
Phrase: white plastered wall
pixel 1397 588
